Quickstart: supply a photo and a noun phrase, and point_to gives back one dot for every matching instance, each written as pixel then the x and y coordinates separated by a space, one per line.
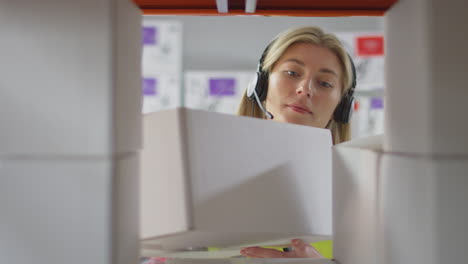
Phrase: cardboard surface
pixel 126 79
pixel 423 209
pixel 55 211
pixel 164 200
pixel 125 217
pixel 70 79
pixel 425 89
pixel 356 166
pixel 233 180
pixel 398 207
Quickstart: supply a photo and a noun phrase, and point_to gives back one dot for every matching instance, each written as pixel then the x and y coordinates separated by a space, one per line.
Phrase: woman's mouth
pixel 299 109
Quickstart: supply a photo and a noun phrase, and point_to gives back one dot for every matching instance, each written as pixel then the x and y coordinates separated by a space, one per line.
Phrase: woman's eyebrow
pixel 326 70
pixel 295 61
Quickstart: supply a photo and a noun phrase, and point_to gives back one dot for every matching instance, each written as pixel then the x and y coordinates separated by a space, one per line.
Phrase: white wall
pixel 236 43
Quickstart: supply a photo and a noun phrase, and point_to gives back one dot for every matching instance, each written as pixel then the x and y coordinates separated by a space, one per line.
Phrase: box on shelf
pixel 217 180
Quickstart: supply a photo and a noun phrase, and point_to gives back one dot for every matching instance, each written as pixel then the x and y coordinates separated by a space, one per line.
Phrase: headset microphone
pixel 252 93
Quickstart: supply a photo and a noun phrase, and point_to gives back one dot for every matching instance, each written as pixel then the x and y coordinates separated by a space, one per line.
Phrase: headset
pixel 258 88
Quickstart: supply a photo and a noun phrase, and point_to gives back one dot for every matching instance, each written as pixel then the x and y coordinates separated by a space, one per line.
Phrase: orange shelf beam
pixel 300 8
pixel 293 13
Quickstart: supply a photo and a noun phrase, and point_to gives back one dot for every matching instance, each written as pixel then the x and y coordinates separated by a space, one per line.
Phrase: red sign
pixel 370 46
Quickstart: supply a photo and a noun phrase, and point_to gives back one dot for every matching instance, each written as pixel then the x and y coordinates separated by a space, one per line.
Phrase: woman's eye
pixel 325 84
pixel 292 73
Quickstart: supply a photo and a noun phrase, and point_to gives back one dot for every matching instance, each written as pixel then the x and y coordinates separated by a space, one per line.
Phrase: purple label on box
pixel 149 86
pixel 376 103
pixel 222 87
pixel 150 35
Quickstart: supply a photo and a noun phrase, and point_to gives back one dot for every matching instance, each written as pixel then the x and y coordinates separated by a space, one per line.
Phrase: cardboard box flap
pixel 205 175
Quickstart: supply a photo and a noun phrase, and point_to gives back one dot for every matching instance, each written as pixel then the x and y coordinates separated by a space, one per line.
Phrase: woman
pixel 304 77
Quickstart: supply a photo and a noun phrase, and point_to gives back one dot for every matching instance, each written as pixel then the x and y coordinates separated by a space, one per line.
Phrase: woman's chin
pixel 297 121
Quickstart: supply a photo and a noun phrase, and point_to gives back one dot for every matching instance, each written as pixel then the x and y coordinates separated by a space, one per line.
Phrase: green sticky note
pixel 325 248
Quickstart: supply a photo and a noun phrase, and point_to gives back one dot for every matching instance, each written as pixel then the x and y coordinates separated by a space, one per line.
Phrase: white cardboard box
pixel 55 211
pixel 424 211
pixel 396 207
pixel 211 179
pixel 69 210
pixel 70 80
pixel 355 200
pixel 425 108
pixel 125 217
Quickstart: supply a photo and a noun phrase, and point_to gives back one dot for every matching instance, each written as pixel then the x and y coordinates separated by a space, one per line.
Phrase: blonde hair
pixel 314 35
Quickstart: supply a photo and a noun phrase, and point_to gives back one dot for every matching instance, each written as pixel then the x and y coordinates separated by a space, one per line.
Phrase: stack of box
pixel 403 200
pixel 71 124
pixel 218 91
pixel 161 64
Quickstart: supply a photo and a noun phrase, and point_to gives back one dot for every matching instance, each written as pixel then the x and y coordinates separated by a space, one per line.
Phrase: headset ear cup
pixel 262 85
pixel 343 111
pixel 252 86
pixel 348 110
pixel 338 111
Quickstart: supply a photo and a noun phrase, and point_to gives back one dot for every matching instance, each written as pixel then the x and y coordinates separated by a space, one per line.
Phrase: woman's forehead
pixel 309 53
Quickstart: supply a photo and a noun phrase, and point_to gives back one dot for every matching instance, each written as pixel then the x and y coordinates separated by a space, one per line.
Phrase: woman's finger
pixel 304 250
pixel 259 252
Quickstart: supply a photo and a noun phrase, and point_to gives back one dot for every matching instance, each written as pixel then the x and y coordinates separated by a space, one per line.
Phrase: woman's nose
pixel 305 88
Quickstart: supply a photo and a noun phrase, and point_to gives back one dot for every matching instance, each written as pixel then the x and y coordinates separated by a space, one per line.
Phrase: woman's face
pixel 304 85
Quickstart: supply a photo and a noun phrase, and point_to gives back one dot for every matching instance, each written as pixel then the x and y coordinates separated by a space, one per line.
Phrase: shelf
pixel 268 7
pixel 369 93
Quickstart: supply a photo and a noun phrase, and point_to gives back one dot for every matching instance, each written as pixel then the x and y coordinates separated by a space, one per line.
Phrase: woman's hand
pixel 300 250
